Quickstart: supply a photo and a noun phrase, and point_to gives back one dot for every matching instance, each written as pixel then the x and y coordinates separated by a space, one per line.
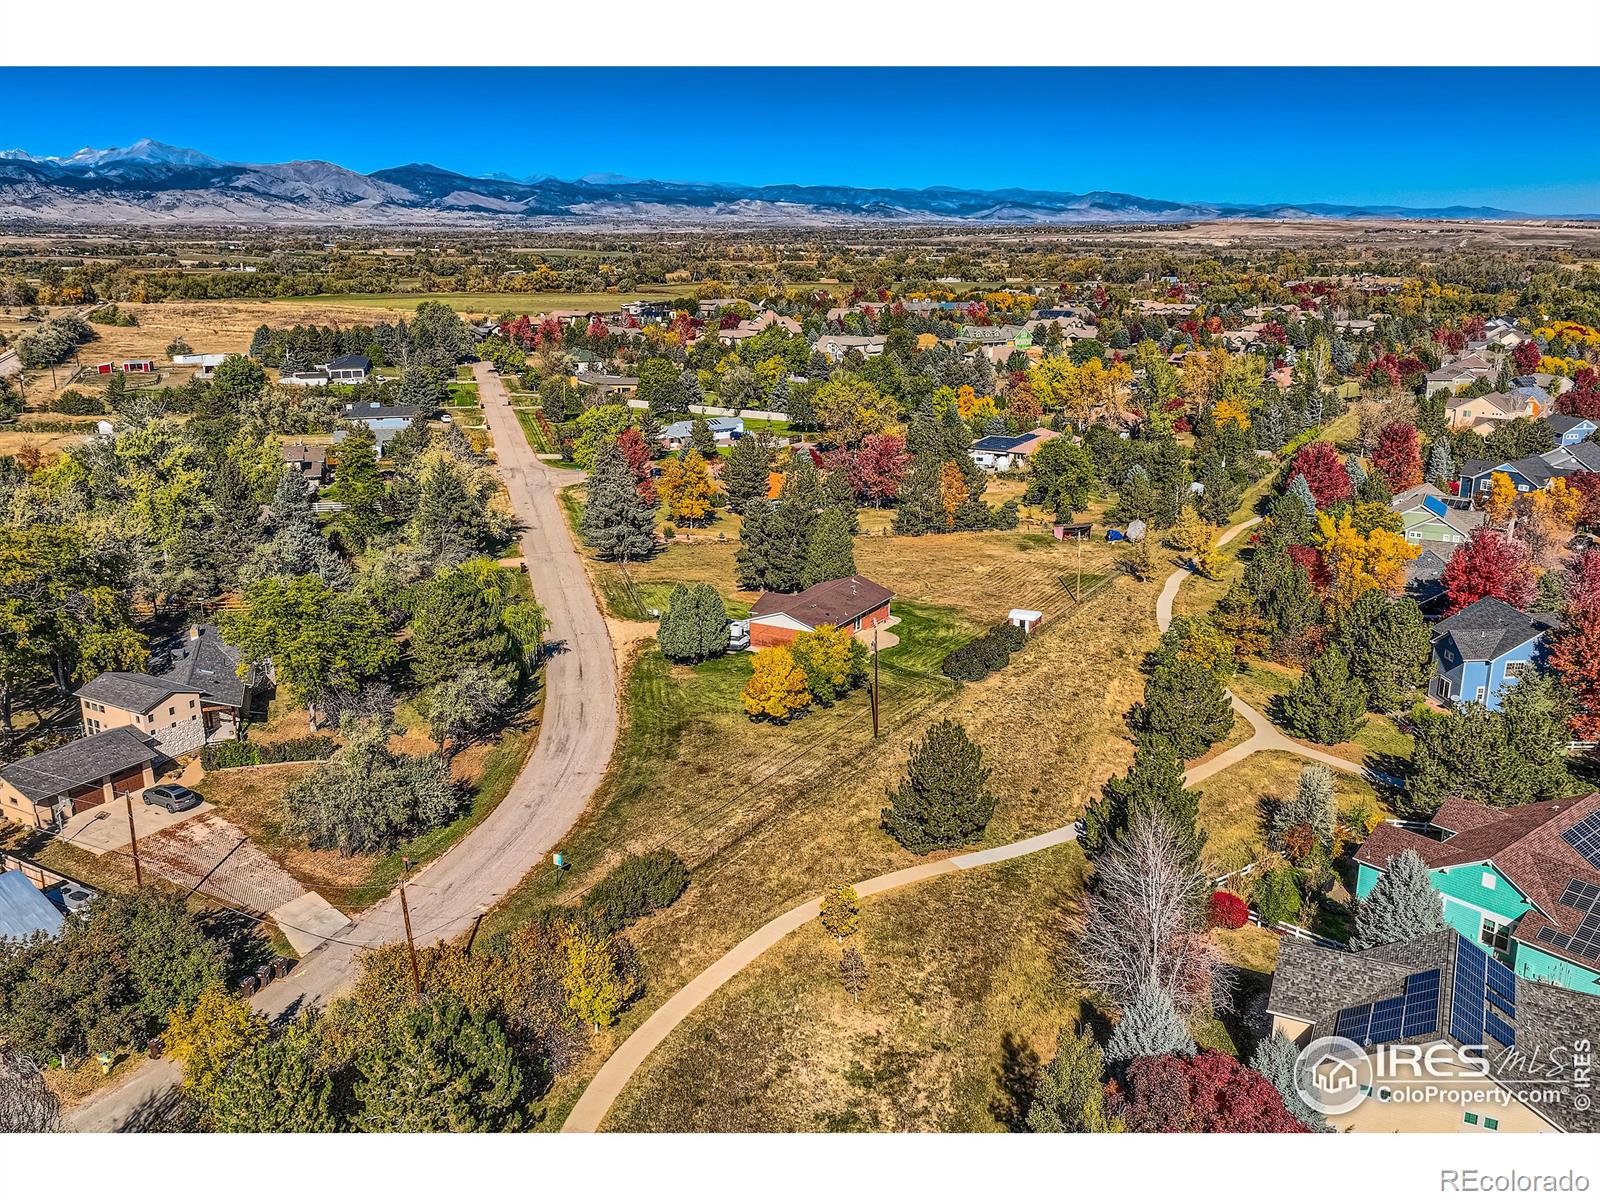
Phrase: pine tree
pixel 944 801
pixel 838 496
pixel 1311 806
pixel 455 623
pixel 276 1086
pixel 1150 1027
pixel 1278 1059
pixel 675 635
pixel 1389 648
pixel 710 622
pixel 441 1069
pixel 1185 704
pixel 920 509
pixel 1326 705
pixel 1153 784
pixel 1301 491
pixel 831 554
pixel 1069 1096
pixel 1402 906
pixel 744 476
pixel 701 438
pixel 616 523
pixel 750 559
pixel 1441 463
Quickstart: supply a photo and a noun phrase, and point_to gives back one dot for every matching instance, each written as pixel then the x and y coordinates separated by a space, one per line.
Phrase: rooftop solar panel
pixel 1386 1020
pixel 1501 1031
pixel 1467 998
pixel 1353 1023
pixel 1584 837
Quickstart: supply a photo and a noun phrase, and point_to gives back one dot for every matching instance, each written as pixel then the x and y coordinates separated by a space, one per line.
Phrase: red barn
pixel 854 603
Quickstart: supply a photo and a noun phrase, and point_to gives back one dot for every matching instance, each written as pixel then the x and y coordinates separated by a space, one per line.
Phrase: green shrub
pixel 983 655
pixel 640 885
pixel 222 755
pixel 1277 896
pixel 78 404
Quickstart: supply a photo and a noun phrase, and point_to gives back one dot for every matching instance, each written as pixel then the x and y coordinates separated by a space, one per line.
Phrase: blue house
pixel 1570 431
pixel 1532 474
pixel 1484 649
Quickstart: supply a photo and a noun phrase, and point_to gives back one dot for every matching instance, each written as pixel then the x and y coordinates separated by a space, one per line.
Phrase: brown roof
pixel 835 602
pixel 1524 843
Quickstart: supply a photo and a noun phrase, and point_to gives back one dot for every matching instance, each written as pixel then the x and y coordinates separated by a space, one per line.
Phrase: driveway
pixel 550 793
pixel 104 828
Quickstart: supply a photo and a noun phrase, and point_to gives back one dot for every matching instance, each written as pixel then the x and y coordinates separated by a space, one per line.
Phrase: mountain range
pixel 150 182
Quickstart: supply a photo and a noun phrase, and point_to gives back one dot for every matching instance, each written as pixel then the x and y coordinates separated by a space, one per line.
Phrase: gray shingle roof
pixel 77 764
pixel 24 911
pixel 1488 628
pixel 131 690
pixel 207 664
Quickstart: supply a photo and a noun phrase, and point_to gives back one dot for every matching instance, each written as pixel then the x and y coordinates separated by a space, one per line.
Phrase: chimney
pixel 194 633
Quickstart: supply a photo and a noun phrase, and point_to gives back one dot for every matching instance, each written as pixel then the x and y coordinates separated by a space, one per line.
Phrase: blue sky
pixel 1357 135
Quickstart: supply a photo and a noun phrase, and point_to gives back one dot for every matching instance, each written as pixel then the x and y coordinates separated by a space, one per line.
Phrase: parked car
pixel 173 797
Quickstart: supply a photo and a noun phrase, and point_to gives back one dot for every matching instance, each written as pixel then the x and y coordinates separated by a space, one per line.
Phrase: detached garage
pixel 855 603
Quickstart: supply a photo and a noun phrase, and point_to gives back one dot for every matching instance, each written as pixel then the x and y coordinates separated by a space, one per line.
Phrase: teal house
pixel 1522 882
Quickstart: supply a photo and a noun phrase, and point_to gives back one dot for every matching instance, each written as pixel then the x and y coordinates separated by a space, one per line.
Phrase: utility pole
pixel 405 915
pixel 1080 568
pixel 133 838
pixel 874 681
pixel 476 922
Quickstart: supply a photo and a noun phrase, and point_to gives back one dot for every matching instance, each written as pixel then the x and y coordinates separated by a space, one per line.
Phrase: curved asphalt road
pixel 614 1074
pixel 574 749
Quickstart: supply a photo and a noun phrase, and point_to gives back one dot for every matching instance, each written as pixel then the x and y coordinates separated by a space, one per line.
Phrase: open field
pixel 1261 684
pixel 493 303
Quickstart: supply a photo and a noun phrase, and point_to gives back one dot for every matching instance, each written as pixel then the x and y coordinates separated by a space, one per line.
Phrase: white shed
pixel 1027 619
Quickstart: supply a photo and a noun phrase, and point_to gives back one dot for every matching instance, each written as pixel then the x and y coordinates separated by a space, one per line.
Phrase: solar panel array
pixel 1584 942
pixel 1413 1013
pixel 1584 837
pixel 1483 998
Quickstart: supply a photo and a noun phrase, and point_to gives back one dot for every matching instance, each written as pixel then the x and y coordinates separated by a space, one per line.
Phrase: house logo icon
pixel 1333 1075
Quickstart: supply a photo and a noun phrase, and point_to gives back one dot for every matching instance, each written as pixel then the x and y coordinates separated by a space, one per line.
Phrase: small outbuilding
pixel 1025 619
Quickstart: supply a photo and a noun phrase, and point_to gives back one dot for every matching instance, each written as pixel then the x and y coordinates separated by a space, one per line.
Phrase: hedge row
pixel 985 654
pixel 254 754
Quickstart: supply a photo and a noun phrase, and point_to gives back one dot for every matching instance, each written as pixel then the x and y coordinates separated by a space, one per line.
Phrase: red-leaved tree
pixel 879 468
pixel 1206 1093
pixel 1582 399
pixel 1526 356
pixel 1228 911
pixel 637 451
pixel 1398 456
pixel 1492 563
pixel 1324 470
pixel 1587 485
pixel 1575 648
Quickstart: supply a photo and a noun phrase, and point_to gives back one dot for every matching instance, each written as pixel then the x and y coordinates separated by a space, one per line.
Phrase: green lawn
pixel 528 419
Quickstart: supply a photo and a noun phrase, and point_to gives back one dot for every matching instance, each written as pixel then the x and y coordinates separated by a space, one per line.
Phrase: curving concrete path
pixel 604 1089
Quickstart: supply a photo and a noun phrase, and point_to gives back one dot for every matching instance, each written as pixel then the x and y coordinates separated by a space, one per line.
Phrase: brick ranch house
pixel 855 603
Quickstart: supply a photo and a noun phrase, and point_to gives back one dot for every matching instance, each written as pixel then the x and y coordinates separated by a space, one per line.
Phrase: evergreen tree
pixel 441 1069
pixel 1185 704
pixel 358 487
pixel 920 509
pixel 617 524
pixel 944 801
pixel 744 475
pixel 1403 905
pixel 1389 648
pixel 1278 1059
pixel 701 438
pixel 451 522
pixel 1311 806
pixel 838 496
pixel 276 1086
pixel 1441 463
pixel 710 622
pixel 455 623
pixel 750 559
pixel 1301 491
pixel 1153 784
pixel 830 554
pixel 695 625
pixel 1326 705
pixel 1150 1027
pixel 1069 1096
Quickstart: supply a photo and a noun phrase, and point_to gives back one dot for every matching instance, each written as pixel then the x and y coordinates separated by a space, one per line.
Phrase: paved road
pixel 574 748
pixel 603 1090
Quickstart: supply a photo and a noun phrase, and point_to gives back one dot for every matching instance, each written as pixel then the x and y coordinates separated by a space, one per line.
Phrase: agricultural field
pixel 494 303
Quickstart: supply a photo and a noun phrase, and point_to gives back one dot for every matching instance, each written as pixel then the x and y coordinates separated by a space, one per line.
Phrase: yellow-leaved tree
pixel 1357 562
pixel 777 687
pixel 206 1040
pixel 1501 499
pixel 686 487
